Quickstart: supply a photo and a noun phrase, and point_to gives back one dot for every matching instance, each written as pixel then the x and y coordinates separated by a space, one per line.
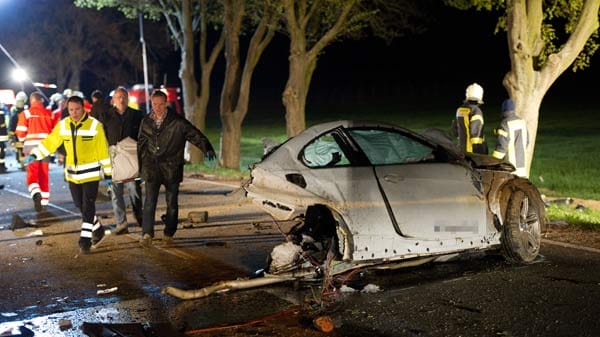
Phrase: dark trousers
pixel 172 194
pixel 84 196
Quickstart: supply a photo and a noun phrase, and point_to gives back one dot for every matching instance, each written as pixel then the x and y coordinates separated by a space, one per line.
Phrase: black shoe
pixel 3 169
pixel 97 235
pixel 37 202
pixel 85 245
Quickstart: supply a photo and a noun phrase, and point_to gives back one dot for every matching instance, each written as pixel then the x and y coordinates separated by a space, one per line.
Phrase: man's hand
pixel 30 158
pixel 210 155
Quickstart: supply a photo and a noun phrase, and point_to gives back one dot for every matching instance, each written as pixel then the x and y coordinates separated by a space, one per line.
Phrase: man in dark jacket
pixel 161 143
pixel 99 105
pixel 120 122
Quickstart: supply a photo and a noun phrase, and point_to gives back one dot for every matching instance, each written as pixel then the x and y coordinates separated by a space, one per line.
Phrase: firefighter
pixel 3 136
pixel 468 124
pixel 87 162
pixel 20 102
pixel 513 139
pixel 33 126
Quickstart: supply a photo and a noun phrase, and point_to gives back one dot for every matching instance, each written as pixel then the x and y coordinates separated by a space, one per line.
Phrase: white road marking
pixel 27 196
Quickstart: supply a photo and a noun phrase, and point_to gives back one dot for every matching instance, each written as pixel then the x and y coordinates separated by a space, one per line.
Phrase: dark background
pixel 430 70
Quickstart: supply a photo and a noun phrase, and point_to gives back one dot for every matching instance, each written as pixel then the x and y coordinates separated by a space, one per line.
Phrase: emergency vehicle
pixel 137 97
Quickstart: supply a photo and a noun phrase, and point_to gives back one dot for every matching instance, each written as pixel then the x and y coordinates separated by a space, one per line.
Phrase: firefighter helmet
pixel 67 93
pixel 474 92
pixel 20 99
pixel 56 98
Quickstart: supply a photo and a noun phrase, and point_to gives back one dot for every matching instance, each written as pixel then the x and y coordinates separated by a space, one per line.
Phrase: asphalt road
pixel 44 280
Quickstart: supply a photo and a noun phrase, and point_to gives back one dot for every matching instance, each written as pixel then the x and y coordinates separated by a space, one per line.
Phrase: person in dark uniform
pixel 513 138
pixel 468 124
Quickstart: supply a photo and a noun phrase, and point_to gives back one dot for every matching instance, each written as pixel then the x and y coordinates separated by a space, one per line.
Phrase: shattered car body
pixel 373 194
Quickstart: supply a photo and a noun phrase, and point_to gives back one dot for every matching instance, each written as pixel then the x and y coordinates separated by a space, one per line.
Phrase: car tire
pixel 521 234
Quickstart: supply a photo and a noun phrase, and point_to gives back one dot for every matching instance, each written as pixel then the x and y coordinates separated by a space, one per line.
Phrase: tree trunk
pixel 231 136
pixel 525 84
pixel 295 94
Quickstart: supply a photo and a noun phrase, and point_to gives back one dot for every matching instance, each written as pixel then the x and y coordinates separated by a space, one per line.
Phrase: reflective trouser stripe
pixel 86 230
pixel 34 188
pixel 97 224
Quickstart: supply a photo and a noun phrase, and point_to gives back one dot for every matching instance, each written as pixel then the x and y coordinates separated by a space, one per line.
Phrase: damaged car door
pixel 430 198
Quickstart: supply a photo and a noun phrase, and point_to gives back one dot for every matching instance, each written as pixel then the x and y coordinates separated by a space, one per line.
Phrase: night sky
pixel 430 69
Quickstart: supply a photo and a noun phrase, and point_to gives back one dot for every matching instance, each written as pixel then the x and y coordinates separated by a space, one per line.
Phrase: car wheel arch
pixel 521 233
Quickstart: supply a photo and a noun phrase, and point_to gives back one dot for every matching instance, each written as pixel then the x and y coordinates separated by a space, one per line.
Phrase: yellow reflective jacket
pixel 87 157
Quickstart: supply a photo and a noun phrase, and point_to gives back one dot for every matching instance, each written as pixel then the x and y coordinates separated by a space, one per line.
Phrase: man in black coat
pixel 120 121
pixel 161 144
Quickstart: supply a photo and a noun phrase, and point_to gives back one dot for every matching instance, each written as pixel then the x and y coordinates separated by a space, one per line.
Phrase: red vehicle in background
pixel 137 97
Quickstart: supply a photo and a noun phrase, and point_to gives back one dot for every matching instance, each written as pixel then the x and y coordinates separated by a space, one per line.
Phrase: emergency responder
pixel 468 124
pixel 33 126
pixel 87 162
pixel 3 136
pixel 513 139
pixel 20 102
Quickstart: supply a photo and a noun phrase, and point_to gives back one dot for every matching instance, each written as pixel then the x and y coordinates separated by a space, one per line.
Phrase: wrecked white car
pixel 377 195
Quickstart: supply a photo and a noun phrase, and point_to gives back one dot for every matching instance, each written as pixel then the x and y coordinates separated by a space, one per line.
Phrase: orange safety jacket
pixel 34 125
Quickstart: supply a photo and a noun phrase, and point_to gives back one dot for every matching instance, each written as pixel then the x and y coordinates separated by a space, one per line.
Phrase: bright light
pixel 19 75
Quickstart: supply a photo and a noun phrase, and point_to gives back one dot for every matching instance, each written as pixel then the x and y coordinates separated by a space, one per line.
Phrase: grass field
pixel 567 154
pixel 566 160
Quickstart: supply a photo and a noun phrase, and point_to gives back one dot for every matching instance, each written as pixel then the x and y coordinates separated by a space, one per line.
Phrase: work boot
pixel 37 202
pixel 122 228
pixel 98 235
pixel 85 245
pixel 146 241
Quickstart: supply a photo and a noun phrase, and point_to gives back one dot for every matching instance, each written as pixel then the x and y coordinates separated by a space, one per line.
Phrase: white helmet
pixel 56 97
pixel 20 99
pixel 67 93
pixel 474 92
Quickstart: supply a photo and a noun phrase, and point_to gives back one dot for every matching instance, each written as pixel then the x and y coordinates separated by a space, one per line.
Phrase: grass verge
pixel 584 218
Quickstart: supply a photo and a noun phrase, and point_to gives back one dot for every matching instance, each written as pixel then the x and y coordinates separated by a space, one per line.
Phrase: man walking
pixel 513 139
pixel 87 162
pixel 161 145
pixel 469 121
pixel 120 122
pixel 33 126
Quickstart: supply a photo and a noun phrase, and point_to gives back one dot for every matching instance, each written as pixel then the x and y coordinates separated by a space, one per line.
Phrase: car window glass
pixel 389 147
pixel 324 152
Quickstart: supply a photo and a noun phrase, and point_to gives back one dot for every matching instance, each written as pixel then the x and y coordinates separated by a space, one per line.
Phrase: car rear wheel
pixel 521 236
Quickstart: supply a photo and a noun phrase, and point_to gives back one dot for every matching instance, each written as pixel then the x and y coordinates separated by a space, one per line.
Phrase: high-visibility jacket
pixel 469 124
pixel 512 141
pixel 86 149
pixel 3 125
pixel 34 125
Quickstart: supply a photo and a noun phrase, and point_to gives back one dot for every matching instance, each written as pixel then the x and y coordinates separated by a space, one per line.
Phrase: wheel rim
pixel 529 227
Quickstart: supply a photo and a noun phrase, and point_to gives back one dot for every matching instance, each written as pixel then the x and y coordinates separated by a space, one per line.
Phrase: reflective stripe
pixel 96 226
pixel 501 132
pixel 83 167
pixel 476 140
pixel 87 226
pixel 86 234
pixel 21 128
pixel 498 154
pixel 477 118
